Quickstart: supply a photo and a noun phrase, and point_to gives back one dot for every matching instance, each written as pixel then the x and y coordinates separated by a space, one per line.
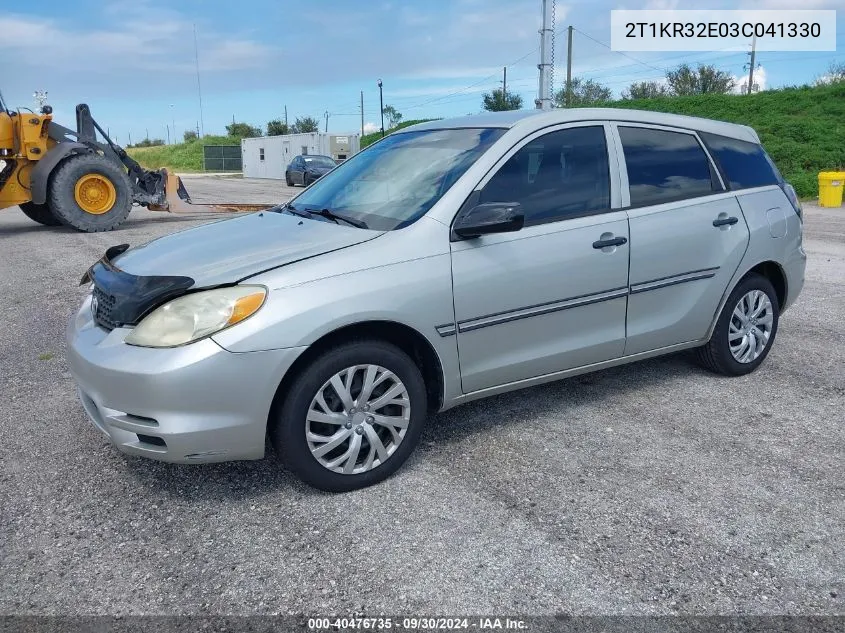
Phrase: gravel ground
pixel 655 488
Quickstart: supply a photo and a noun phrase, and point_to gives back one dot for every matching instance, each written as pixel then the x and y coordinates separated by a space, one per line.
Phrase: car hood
pixel 232 250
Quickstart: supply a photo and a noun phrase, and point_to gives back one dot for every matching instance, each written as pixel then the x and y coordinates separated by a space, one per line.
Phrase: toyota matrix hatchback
pixel 450 261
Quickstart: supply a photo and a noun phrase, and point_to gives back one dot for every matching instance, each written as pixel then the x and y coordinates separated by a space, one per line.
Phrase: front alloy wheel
pixel 358 419
pixel 351 416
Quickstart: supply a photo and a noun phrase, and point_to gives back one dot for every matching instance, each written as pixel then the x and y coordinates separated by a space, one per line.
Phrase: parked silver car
pixel 450 261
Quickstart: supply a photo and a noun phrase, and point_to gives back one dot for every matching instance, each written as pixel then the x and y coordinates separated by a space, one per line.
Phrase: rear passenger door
pixel 688 235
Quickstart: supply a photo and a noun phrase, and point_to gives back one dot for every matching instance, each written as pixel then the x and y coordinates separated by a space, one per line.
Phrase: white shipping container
pixel 268 156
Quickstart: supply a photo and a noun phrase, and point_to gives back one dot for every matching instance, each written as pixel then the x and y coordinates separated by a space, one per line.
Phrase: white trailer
pixel 268 156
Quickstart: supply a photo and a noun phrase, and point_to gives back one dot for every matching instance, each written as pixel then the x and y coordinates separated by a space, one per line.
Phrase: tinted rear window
pixel 664 166
pixel 744 164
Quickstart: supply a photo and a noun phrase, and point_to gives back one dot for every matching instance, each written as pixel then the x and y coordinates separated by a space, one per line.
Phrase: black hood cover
pixel 124 299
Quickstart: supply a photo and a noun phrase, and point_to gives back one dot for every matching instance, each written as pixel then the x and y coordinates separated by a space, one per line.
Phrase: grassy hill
pixel 803 129
pixel 179 157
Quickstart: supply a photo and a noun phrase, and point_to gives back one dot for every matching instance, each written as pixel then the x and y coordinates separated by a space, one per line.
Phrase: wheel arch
pixel 406 338
pixel 769 269
pixel 43 168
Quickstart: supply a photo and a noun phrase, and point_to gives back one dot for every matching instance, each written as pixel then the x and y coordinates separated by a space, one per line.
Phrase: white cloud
pixel 369 128
pixel 164 45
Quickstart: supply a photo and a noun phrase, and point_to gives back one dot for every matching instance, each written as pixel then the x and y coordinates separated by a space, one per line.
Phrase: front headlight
pixel 196 316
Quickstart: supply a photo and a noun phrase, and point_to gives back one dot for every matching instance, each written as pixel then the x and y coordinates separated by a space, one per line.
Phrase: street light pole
pixel 173 121
pixel 381 107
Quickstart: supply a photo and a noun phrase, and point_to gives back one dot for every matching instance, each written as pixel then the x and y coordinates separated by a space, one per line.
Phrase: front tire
pixel 40 213
pixel 745 330
pixel 352 417
pixel 90 193
pixel 288 181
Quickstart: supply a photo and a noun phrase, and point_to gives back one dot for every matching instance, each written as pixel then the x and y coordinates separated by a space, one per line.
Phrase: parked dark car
pixel 305 169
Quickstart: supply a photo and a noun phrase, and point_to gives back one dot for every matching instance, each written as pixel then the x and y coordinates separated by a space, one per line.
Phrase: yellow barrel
pixel 830 188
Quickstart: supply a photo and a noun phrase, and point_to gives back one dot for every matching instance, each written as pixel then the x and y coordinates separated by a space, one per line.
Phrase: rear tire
pixel 717 355
pixel 69 203
pixel 376 436
pixel 40 213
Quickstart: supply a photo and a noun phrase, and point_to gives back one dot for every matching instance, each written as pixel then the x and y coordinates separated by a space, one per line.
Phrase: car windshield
pixel 318 161
pixel 396 181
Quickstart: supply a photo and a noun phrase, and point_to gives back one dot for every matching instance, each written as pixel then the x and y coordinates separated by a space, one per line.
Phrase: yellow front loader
pixel 60 176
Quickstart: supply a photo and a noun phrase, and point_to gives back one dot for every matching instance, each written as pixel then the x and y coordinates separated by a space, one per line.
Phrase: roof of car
pixel 536 119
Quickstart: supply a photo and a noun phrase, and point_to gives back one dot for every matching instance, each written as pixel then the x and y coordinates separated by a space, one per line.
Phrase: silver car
pixel 450 261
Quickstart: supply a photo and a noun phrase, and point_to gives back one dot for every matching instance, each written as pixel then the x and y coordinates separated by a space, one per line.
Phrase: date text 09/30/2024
pixel 416 624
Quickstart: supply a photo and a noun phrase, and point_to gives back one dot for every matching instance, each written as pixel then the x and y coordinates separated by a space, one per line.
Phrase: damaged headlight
pixel 197 315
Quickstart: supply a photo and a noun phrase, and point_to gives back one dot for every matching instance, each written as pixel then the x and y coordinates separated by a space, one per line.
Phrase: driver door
pixel 553 295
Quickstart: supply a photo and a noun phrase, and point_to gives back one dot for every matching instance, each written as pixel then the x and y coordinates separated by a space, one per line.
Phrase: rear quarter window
pixel 744 165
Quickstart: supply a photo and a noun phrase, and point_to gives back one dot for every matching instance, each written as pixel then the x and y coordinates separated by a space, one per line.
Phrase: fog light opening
pixel 150 439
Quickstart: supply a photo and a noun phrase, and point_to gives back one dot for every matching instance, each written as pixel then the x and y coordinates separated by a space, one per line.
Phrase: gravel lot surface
pixel 655 488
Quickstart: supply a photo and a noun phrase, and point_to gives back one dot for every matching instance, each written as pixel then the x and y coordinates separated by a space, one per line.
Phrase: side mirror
pixel 488 218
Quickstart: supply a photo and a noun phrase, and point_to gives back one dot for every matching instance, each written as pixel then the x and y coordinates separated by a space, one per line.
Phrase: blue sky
pixel 132 61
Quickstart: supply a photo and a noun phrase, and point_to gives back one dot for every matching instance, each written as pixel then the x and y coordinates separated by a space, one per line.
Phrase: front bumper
pixel 196 403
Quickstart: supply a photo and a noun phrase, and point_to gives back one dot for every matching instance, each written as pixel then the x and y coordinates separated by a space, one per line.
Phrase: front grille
pixel 102 306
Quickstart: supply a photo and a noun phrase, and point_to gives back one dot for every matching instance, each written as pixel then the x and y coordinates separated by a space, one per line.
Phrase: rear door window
pixel 665 166
pixel 743 164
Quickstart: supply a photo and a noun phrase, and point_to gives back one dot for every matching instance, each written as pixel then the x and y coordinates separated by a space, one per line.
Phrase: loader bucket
pixel 177 200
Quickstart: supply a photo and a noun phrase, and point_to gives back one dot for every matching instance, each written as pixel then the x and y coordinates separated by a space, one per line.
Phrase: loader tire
pixel 40 213
pixel 90 193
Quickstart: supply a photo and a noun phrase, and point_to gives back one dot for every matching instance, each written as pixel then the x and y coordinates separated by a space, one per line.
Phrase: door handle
pixel 614 241
pixel 723 221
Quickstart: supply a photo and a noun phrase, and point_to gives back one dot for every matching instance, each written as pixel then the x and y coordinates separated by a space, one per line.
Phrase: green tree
pixel 392 115
pixel 242 130
pixel 705 79
pixel 585 92
pixel 305 124
pixel 645 90
pixel 190 135
pixel 277 128
pixel 148 142
pixel 835 74
pixel 499 101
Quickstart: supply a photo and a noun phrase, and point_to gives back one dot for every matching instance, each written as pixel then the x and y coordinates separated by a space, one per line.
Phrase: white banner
pixel 716 30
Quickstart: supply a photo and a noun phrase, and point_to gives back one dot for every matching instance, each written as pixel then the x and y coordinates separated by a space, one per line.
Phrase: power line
pixel 607 46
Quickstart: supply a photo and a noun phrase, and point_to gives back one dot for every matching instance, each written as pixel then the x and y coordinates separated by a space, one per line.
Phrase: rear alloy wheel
pixel 40 213
pixel 352 417
pixel 745 330
pixel 90 193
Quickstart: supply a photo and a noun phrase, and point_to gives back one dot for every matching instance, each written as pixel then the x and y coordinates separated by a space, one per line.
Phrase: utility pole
pixel 505 82
pixel 201 125
pixel 751 65
pixel 362 113
pixel 130 137
pixel 327 120
pixel 544 101
pixel 286 116
pixel 381 106
pixel 168 134
pixel 569 69
pixel 147 130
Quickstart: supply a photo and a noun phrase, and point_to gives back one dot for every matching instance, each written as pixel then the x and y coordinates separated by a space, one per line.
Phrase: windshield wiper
pixel 331 215
pixel 292 210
